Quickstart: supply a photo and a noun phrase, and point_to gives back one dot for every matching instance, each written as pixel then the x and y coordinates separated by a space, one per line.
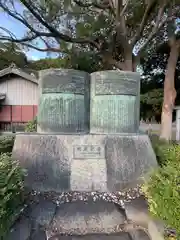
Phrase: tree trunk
pixel 129 64
pixel 169 93
pixel 128 61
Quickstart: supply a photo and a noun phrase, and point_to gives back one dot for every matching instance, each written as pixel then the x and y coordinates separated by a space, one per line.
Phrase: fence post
pixel 177 108
pixel 11 118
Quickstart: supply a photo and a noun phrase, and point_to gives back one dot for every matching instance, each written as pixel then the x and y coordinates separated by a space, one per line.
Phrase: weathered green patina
pixel 67 97
pixel 114 102
pixel 64 101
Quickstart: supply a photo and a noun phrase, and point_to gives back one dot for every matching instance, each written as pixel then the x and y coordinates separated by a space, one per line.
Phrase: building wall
pixel 20 105
pixel 18 113
pixel 19 91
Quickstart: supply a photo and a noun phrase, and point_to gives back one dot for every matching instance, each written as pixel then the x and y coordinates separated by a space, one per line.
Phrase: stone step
pixel 115 236
pixel 45 219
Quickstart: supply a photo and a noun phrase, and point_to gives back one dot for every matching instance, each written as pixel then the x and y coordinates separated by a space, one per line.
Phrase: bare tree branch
pixel 17 16
pixel 97 7
pixel 111 3
pixel 92 4
pixel 118 8
pixel 21 19
pixel 52 31
pixel 151 5
pixel 12 38
pixel 8 32
pixel 26 39
pixel 112 8
pixel 55 32
pixel 48 49
pixel 124 8
pixel 156 28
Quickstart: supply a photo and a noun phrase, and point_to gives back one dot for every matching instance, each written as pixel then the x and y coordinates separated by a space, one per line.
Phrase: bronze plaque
pixel 117 86
pixel 64 81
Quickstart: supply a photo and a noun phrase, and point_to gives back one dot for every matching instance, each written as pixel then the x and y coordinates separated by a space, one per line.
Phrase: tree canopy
pixel 49 63
pixel 115 30
pixel 11 54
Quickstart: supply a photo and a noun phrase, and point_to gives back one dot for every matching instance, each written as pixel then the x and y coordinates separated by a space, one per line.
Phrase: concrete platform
pixel 105 163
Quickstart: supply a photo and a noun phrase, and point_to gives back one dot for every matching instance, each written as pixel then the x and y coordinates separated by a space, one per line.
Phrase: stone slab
pixel 115 236
pixel 42 213
pixel 39 235
pixel 86 217
pixel 82 218
pixel 104 163
pixel 137 211
pixel 21 230
pixel 139 235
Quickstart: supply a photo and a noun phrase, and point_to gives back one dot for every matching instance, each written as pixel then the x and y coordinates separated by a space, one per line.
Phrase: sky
pixel 19 31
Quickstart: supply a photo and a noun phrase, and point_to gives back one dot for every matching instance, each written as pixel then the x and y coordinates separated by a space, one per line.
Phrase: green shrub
pixel 31 126
pixel 6 144
pixel 11 186
pixel 160 148
pixel 163 188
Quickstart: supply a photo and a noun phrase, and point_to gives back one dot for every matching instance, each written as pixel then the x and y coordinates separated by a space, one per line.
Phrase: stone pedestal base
pixel 71 179
pixel 63 163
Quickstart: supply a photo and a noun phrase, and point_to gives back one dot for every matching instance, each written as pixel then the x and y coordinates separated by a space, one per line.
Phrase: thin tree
pixel 169 83
pixel 161 67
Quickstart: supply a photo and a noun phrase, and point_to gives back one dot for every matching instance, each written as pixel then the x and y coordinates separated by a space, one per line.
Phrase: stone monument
pixel 85 163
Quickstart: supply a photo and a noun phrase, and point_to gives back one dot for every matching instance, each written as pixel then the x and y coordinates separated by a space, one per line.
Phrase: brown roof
pixel 28 74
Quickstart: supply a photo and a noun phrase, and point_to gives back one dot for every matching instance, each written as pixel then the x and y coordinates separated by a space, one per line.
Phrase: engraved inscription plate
pixel 62 113
pixel 88 152
pixel 117 86
pixel 117 114
pixel 64 82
